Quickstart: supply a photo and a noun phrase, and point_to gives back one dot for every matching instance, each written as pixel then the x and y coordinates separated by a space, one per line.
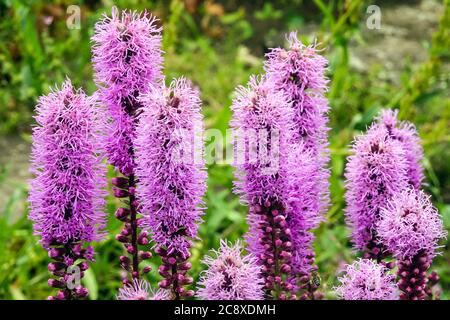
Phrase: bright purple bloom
pixel 410 227
pixel 376 171
pixel 67 195
pixel 268 181
pixel 299 72
pixel 365 279
pixel 171 170
pixel 409 224
pixel 141 290
pixel 406 133
pixel 126 57
pixel 230 275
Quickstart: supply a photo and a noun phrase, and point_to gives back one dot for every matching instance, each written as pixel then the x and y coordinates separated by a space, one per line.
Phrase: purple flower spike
pixel 375 172
pixel 231 276
pixel 366 280
pixel 126 57
pixel 141 290
pixel 406 133
pixel 172 175
pixel 410 227
pixel 67 194
pixel 299 72
pixel 266 180
pixel 410 224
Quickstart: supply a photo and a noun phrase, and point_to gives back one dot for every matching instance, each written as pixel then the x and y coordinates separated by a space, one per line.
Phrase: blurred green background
pixel 218 44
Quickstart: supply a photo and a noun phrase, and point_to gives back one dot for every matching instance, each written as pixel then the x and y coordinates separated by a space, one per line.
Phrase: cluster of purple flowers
pixel 286 186
pixel 388 213
pixel 152 134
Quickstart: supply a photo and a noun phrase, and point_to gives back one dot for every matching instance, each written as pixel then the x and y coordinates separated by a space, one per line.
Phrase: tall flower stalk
pixel 170 167
pixel 262 120
pixel 299 72
pixel 66 194
pixel 376 171
pixel 410 227
pixel 126 57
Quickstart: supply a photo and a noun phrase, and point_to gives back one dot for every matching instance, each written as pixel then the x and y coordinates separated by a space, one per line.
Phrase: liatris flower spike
pixel 141 290
pixel 375 172
pixel 172 176
pixel 126 58
pixel 262 120
pixel 406 133
pixel 410 227
pixel 66 194
pixel 230 275
pixel 299 72
pixel 366 279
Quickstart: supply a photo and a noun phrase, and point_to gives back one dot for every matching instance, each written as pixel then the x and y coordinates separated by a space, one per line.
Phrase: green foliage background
pixel 219 44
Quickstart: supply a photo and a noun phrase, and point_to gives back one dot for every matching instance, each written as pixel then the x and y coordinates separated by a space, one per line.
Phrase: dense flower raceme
pixel 126 58
pixel 230 275
pixel 410 227
pixel 67 195
pixel 406 133
pixel 375 172
pixel 169 151
pixel 272 173
pixel 366 279
pixel 299 72
pixel 141 290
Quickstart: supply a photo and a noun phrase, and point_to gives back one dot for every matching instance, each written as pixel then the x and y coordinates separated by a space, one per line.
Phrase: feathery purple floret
pixel 67 195
pixel 141 290
pixel 375 172
pixel 231 276
pixel 126 57
pixel 171 173
pixel 299 72
pixel 268 180
pixel 406 133
pixel 410 225
pixel 366 280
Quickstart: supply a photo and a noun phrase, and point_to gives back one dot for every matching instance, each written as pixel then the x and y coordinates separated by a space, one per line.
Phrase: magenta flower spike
pixel 126 58
pixel 230 275
pixel 407 135
pixel 366 279
pixel 376 171
pixel 172 176
pixel 268 181
pixel 67 191
pixel 410 227
pixel 299 72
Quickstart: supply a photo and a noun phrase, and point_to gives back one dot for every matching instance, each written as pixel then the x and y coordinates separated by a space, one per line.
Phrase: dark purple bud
pixel 146 269
pixel 120 182
pixel 185 266
pixel 120 193
pixel 188 293
pixel 122 238
pixel 56 266
pixel 130 249
pixel 164 284
pixel 56 252
pixel 132 191
pixel 81 292
pixel 144 255
pixel 122 214
pixel 56 283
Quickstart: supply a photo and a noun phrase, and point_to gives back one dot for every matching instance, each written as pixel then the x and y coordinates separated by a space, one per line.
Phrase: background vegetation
pixel 218 44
